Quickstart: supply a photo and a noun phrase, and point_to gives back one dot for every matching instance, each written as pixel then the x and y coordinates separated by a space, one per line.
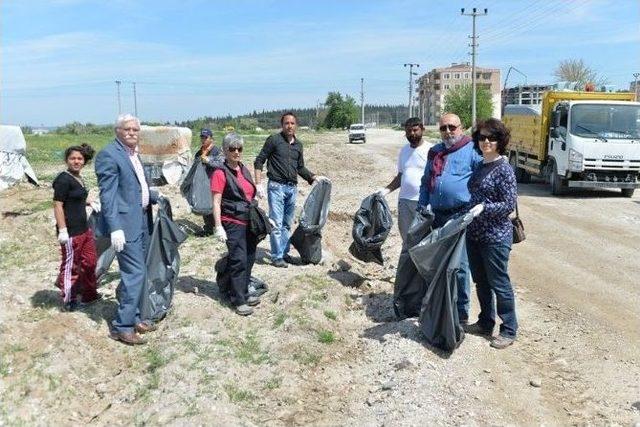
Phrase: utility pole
pixel 411 74
pixel 135 100
pixel 635 85
pixel 119 103
pixel 473 45
pixel 362 100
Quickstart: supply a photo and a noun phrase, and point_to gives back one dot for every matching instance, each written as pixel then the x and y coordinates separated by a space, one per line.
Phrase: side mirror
pixel 554 133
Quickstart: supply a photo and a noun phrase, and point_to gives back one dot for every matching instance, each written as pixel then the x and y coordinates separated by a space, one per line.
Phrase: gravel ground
pixel 323 348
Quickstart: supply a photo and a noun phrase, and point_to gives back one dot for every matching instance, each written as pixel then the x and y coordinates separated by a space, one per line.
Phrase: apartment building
pixel 433 86
pixel 524 95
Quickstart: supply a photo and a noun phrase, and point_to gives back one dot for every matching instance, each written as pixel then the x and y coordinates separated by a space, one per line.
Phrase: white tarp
pixel 13 160
pixel 167 150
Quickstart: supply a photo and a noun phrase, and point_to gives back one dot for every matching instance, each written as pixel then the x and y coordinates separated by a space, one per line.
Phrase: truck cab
pixel 577 139
pixel 594 144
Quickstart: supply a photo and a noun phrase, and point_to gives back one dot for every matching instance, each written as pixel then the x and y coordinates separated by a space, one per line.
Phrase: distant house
pixel 40 131
pixel 433 86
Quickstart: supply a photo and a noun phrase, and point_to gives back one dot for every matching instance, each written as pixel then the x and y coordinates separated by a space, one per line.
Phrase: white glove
pixel 321 178
pixel 425 210
pixel 117 240
pixel 221 234
pixel 476 210
pixel 95 206
pixel 63 236
pixel 260 192
pixel 383 191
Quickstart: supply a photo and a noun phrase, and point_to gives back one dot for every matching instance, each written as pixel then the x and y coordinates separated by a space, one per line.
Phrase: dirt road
pixel 323 348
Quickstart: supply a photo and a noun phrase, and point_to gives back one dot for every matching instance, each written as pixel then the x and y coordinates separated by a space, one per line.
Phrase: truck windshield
pixel 606 121
pixel 357 127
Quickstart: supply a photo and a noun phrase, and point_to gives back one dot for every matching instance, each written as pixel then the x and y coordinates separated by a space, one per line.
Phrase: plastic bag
pixel 307 237
pixel 437 259
pixel 371 226
pixel 197 190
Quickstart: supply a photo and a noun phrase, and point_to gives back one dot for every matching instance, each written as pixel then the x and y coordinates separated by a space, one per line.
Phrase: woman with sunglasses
pixel 493 192
pixel 233 192
pixel 77 243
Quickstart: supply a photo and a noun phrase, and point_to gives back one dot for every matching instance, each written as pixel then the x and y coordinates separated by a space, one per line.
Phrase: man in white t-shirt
pixel 411 163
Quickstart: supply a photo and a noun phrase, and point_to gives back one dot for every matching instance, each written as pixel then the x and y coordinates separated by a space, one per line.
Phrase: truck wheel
pixel 558 184
pixel 521 175
pixel 628 192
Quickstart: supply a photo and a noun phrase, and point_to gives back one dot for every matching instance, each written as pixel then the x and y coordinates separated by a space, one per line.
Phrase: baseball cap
pixel 205 132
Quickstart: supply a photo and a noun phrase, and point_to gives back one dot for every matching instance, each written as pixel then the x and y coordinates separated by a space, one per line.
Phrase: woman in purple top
pixel 494 193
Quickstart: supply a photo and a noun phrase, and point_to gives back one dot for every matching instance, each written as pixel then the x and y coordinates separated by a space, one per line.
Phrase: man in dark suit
pixel 126 209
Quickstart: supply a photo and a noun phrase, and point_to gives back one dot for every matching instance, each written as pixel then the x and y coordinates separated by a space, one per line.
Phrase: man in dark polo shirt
pixel 285 161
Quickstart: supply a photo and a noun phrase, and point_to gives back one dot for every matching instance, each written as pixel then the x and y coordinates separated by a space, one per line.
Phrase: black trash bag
pixel 371 227
pixel 410 287
pixel 307 237
pixel 256 286
pixel 437 258
pixel 163 265
pixel 195 187
pixel 259 224
pixel 105 253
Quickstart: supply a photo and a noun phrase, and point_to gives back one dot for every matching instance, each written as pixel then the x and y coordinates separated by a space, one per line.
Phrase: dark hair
pixel 288 113
pixel 496 128
pixel 86 150
pixel 413 121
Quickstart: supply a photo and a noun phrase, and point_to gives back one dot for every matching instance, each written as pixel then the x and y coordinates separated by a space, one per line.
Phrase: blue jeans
pixel 489 263
pixel 463 273
pixel 282 205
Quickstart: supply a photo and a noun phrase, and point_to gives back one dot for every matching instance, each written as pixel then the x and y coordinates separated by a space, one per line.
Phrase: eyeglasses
pixel 491 137
pixel 232 149
pixel 130 129
pixel 449 128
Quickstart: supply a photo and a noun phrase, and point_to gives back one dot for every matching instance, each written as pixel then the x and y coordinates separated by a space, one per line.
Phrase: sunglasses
pixel 232 149
pixel 449 128
pixel 491 137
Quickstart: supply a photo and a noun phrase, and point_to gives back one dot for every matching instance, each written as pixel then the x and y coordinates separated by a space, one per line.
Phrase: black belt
pixel 291 184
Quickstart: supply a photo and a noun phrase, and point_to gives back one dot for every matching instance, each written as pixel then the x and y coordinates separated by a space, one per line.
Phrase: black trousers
pixel 241 245
pixel 208 223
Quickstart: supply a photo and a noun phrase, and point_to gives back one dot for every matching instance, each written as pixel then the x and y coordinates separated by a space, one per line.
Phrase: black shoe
pixel 289 260
pixel 477 329
pixel 280 263
pixel 70 306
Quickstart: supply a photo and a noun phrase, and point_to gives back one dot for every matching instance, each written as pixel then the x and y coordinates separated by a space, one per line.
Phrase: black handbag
pixel 518 227
pixel 259 224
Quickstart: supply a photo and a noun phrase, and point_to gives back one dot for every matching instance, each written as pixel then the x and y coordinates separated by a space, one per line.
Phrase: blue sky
pixel 60 58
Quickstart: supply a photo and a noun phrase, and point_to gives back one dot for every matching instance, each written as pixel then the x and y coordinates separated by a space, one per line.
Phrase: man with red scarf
pixel 450 163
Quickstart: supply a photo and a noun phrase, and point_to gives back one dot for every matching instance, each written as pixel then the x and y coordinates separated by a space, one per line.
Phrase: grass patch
pixel 248 350
pixel 326 337
pixel 279 320
pixel 306 357
pixel 330 314
pixel 273 383
pixel 43 205
pixel 237 394
pixel 33 315
pixel 155 359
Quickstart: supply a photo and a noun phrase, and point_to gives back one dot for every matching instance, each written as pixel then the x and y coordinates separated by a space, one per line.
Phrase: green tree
pixel 575 70
pixel 458 101
pixel 342 112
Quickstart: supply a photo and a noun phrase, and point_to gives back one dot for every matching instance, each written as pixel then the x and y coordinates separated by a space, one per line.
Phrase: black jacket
pixel 234 202
pixel 284 161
